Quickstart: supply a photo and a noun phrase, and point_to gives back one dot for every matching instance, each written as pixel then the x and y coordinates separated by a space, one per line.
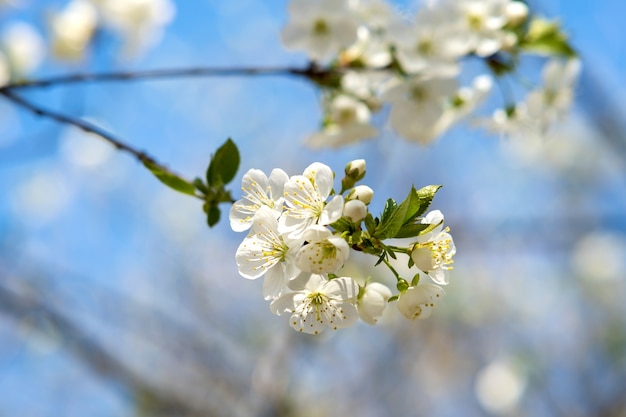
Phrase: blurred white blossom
pixel 72 29
pixel 23 48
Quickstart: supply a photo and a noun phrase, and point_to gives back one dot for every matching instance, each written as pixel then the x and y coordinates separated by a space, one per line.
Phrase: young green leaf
pixel 391 220
pixel 171 180
pixel 213 215
pixel 370 223
pixel 411 230
pixel 200 186
pixel 545 37
pixel 224 165
pixel 425 196
pixel 390 207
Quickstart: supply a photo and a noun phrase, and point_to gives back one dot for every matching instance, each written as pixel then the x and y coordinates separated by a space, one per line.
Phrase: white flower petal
pixel 418 302
pixel 332 211
pixel 322 177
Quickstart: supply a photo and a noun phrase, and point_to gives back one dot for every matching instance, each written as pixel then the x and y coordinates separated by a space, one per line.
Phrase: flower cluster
pixel 377 58
pixel 301 233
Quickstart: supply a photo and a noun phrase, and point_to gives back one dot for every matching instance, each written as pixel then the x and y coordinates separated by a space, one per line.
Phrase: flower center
pixel 438 251
pixel 418 93
pixel 475 21
pixel 345 116
pixel 320 28
pixel 317 298
pixel 425 47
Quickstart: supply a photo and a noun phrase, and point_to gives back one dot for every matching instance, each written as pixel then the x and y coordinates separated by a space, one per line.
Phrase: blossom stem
pixel 398 277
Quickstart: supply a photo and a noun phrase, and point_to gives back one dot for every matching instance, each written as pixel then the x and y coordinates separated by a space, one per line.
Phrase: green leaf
pixel 391 220
pixel 213 215
pixel 224 165
pixel 413 205
pixel 390 207
pixel 425 196
pixel 342 225
pixel 200 186
pixel 411 230
pixel 415 280
pixel 398 222
pixel 545 37
pixel 381 258
pixel 430 228
pixel 370 223
pixel 171 180
pixel 394 298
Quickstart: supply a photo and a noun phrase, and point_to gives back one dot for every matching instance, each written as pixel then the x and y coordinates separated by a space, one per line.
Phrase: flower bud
pixel 516 13
pixel 355 210
pixel 418 302
pixel 510 41
pixel 362 193
pixel 423 258
pixel 373 302
pixel 355 170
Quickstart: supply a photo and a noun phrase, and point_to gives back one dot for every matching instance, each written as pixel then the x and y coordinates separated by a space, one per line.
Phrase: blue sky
pixel 87 226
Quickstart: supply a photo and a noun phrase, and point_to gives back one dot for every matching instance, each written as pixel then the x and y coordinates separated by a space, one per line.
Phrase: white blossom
pixel 551 101
pixel 259 190
pixel 467 99
pixel 433 251
pixel 323 251
pixel 432 45
pixel 513 123
pixel 315 302
pixel 417 105
pixel 356 169
pixel 347 122
pixel 482 23
pixel 418 301
pixel 268 252
pixel 516 13
pixel 355 210
pixel 72 29
pixel 321 28
pixel 140 22
pixel 362 193
pixel 305 198
pixel 373 302
pixel 23 48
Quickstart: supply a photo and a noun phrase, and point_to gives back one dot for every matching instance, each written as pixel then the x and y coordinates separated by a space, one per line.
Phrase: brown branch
pixel 312 71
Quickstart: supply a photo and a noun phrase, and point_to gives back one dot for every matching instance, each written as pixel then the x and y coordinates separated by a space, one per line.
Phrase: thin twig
pixel 313 71
pixel 85 126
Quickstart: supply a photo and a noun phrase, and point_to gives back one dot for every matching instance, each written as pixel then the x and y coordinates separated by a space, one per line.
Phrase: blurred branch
pixel 312 71
pixel 83 125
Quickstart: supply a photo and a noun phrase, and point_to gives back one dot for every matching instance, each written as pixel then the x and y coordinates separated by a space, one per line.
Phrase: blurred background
pixel 116 299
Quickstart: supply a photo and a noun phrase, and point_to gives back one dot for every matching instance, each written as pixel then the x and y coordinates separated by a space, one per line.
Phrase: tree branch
pixel 312 71
pixel 83 125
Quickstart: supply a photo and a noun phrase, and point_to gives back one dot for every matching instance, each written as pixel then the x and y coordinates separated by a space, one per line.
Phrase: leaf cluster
pixel 222 169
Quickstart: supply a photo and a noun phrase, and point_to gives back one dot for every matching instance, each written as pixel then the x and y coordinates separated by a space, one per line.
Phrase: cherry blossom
pixel 315 302
pixel 373 302
pixel 305 197
pixel 259 191
pixel 418 301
